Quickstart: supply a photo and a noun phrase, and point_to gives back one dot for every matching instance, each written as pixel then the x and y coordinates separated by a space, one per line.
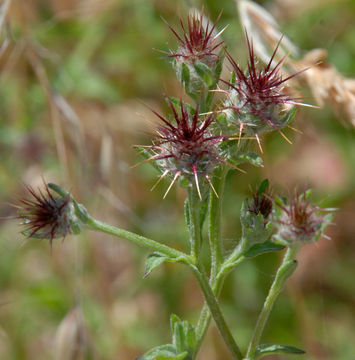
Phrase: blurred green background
pixel 88 299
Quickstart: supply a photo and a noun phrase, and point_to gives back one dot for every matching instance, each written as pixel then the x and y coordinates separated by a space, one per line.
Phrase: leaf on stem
pixel 183 343
pixel 185 76
pixel 263 187
pixel 184 337
pixel 262 248
pixel 205 73
pixel 177 103
pixel 288 117
pixel 163 352
pixel 267 349
pixel 250 158
pixel 154 260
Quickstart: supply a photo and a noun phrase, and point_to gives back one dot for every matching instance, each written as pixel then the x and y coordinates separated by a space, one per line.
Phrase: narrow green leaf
pixel 183 335
pixel 287 118
pixel 219 64
pixel 156 258
pixel 179 337
pixel 263 186
pixel 173 320
pixel 204 72
pixel 146 154
pixel 176 103
pixel 185 75
pixel 267 349
pixel 251 158
pixel 190 337
pixel 153 261
pixel 308 194
pixel 262 248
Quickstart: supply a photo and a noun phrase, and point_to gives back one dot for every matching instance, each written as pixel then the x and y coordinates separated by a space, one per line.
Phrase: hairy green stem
pixel 286 269
pixel 205 315
pixel 214 223
pixel 194 224
pixel 217 313
pixel 97 225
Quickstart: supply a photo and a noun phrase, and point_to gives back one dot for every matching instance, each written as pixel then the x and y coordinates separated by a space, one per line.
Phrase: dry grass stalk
pixel 328 86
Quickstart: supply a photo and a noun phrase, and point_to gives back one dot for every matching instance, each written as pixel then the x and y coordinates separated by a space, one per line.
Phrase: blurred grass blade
pixel 263 29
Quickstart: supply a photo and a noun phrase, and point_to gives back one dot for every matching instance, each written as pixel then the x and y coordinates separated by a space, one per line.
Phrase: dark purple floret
pixel 261 204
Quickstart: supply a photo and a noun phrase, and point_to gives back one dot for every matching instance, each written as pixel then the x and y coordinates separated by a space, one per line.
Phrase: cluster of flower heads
pixel 191 147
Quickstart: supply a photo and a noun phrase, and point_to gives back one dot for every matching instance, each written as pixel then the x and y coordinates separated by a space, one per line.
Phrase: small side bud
pixel 254 216
pixel 299 221
pixel 261 202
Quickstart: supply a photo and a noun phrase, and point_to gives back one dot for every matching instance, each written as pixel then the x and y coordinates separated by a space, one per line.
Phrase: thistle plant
pixel 195 146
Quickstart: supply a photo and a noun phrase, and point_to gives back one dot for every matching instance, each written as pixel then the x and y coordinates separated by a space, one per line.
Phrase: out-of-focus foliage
pixel 73 78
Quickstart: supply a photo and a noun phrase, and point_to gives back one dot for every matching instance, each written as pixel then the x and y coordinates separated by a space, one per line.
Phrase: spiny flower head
pixel 301 221
pixel 257 98
pixel 198 42
pixel 186 148
pixel 45 215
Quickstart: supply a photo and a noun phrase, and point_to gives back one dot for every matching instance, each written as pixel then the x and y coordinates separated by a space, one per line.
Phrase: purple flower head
pixel 199 41
pixel 186 148
pixel 45 215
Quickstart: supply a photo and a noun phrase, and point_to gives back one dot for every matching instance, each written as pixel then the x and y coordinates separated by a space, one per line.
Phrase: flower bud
pixel 197 61
pixel 261 201
pixel 254 216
